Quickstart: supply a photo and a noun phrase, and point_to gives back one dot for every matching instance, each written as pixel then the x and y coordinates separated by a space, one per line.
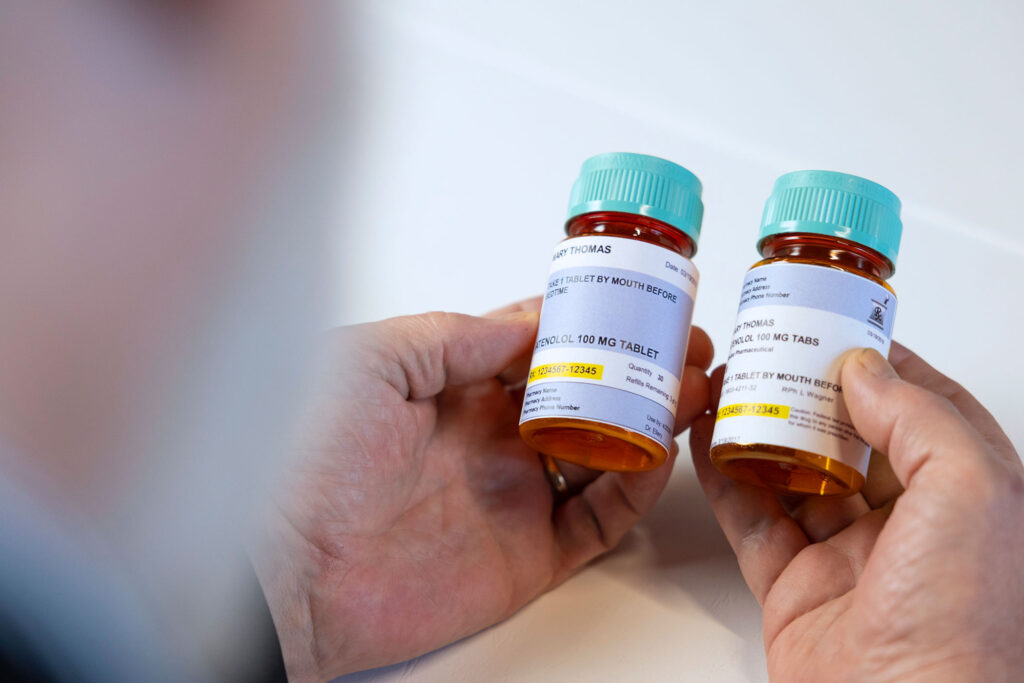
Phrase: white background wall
pixel 469 124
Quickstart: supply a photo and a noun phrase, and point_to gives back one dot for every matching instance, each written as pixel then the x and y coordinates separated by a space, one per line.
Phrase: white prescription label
pixel 796 325
pixel 612 335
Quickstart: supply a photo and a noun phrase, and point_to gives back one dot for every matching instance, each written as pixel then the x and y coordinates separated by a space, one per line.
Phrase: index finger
pixel 694 385
pixel 514 376
pixel 699 350
pixel 917 428
pixel 763 536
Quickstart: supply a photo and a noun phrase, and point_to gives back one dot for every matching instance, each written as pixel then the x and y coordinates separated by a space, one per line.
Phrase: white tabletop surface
pixel 467 123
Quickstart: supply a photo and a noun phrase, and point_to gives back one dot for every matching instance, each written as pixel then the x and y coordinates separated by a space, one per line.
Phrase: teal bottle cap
pixel 837 204
pixel 639 184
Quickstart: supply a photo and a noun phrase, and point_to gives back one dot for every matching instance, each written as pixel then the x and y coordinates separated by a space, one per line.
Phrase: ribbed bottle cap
pixel 838 204
pixel 640 184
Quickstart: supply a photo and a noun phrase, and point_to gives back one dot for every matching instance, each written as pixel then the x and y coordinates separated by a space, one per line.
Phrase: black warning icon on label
pixel 879 309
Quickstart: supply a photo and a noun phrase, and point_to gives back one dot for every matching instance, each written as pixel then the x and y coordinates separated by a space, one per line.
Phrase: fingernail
pixel 876 364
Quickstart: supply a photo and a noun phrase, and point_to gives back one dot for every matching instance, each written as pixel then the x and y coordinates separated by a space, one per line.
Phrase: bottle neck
pixel 633 226
pixel 826 250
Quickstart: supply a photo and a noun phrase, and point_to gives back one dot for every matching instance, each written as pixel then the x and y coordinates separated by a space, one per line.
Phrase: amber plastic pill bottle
pixel 604 381
pixel 829 242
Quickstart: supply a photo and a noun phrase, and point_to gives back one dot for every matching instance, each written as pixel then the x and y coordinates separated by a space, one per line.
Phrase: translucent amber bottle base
pixel 593 444
pixel 786 471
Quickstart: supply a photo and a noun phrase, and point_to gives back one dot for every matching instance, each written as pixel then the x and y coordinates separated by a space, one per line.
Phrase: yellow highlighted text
pixel 753 410
pixel 584 370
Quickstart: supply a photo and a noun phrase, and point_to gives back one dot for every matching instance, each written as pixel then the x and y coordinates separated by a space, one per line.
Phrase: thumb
pixel 915 427
pixel 422 354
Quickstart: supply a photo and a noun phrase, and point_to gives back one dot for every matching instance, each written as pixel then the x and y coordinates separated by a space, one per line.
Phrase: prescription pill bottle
pixel 829 242
pixel 604 381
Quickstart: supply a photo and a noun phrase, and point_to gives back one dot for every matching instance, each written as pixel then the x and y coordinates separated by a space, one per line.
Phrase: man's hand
pixel 890 584
pixel 416 515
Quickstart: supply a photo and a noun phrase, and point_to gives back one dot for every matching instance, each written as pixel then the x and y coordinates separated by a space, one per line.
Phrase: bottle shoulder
pixel 804 260
pixel 633 227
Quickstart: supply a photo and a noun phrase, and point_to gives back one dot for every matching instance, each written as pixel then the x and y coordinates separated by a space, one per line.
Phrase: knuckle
pixel 924 399
pixel 761 534
pixel 436 321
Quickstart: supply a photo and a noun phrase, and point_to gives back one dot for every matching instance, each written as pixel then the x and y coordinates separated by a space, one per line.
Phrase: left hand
pixel 416 515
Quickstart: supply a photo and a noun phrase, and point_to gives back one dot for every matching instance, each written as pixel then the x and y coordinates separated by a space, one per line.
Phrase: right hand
pixel 925 583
